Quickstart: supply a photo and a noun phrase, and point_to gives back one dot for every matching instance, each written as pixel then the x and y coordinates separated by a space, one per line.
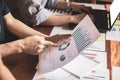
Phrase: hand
pixel 80 8
pixel 35 44
pixel 59 37
pixel 77 18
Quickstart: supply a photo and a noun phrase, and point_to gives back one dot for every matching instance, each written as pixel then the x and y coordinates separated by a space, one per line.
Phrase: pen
pixel 90 78
pixel 99 76
pixel 71 73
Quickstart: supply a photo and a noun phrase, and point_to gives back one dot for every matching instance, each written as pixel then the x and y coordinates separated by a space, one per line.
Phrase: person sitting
pixel 36 12
pixel 32 42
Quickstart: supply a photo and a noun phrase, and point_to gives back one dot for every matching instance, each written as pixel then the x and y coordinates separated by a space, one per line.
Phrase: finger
pixel 40 49
pixel 58 37
pixel 49 43
pixel 65 36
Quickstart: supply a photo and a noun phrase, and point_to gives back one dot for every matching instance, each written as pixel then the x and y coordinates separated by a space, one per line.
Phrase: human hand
pixel 59 37
pixel 78 17
pixel 35 44
pixel 80 8
pixel 77 9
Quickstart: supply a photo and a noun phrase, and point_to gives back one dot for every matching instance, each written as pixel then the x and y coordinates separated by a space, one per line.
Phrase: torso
pixel 3 10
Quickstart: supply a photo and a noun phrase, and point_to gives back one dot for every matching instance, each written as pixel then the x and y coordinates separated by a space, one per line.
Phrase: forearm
pixel 5 74
pixel 23 30
pixel 11 48
pixel 59 20
pixel 19 28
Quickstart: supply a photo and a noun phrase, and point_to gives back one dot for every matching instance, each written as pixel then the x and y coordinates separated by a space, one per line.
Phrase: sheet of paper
pixel 113 34
pixel 98 74
pixel 117 22
pixel 115 73
pixel 58 74
pixel 98 56
pixel 114 11
pixel 60 30
pixel 101 73
pixel 82 36
pixel 81 64
pixel 99 44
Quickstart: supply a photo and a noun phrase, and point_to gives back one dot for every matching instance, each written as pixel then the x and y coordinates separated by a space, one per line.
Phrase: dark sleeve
pixel 5 8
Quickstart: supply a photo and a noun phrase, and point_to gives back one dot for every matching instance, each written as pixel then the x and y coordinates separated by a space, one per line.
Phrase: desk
pixel 113 54
pixel 23 66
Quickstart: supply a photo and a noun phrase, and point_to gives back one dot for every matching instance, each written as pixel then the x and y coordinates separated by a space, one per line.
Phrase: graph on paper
pixel 82 38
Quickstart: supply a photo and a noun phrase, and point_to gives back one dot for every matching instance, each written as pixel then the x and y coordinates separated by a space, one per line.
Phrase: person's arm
pixel 64 19
pixel 5 74
pixel 19 28
pixel 31 45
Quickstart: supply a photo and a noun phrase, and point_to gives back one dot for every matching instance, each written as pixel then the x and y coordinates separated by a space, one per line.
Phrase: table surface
pixel 23 66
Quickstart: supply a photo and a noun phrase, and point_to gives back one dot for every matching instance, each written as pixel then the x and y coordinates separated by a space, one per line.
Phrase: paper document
pixel 102 74
pixel 113 34
pixel 115 73
pixel 98 56
pixel 99 44
pixel 83 35
pixel 81 64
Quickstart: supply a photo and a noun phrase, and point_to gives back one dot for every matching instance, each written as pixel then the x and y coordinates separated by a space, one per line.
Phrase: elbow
pixel 9 20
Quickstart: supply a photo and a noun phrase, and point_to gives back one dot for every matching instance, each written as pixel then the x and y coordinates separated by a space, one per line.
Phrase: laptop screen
pixel 114 11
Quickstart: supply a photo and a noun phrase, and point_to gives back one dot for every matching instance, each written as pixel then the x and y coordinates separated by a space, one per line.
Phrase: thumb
pixel 49 43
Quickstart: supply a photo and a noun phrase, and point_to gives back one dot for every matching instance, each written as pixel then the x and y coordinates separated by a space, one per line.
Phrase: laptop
pixel 104 20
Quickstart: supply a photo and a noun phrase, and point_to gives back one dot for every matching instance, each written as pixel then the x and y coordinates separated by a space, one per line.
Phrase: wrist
pixel 72 19
pixel 11 48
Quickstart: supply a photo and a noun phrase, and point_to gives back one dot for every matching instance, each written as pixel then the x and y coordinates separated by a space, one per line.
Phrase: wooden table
pixel 23 65
pixel 113 54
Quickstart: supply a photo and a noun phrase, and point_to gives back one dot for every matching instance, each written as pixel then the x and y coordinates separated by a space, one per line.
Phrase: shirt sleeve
pixel 52 3
pixel 41 16
pixel 5 8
